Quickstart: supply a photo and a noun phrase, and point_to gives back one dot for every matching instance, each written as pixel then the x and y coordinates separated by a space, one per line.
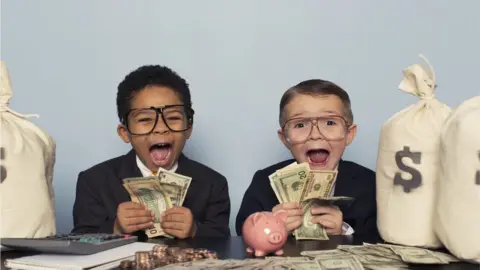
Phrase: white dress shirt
pixel 146 171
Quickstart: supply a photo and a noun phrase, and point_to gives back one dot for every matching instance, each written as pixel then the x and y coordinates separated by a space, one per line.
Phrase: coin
pixel 160 247
pixel 146 265
pixel 141 258
pixel 159 254
pixel 196 259
pixel 173 250
pixel 162 261
pixel 188 250
pixel 212 255
pixel 126 264
pixel 202 251
pixel 181 257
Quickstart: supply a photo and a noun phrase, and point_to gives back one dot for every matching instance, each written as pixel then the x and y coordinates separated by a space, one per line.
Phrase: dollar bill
pixel 417 255
pixel 441 255
pixel 345 262
pixel 371 254
pixel 310 230
pixel 385 266
pixel 174 178
pixel 292 182
pixel 174 193
pixel 291 165
pixel 277 189
pixel 323 253
pixel 445 257
pixel 301 264
pixel 150 193
pixel 319 184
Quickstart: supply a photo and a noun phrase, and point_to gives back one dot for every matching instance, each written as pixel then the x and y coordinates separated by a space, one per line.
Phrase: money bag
pixel 457 217
pixel 26 170
pixel 407 163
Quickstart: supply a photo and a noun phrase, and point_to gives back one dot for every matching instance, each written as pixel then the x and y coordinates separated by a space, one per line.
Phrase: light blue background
pixel 66 59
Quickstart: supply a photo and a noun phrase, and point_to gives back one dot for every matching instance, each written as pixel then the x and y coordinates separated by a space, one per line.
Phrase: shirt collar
pixel 146 172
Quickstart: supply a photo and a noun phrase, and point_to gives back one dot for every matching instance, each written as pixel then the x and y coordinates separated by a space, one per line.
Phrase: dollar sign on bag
pixel 477 178
pixel 3 170
pixel 416 180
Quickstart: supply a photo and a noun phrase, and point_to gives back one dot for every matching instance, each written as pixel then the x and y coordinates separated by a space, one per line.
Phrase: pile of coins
pixel 162 255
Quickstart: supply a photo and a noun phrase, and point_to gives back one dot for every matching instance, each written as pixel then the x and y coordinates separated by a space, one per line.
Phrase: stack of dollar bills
pixel 297 183
pixel 158 193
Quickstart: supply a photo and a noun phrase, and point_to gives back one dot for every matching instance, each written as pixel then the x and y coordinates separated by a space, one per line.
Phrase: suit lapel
pixel 184 166
pixel 129 166
pixel 345 186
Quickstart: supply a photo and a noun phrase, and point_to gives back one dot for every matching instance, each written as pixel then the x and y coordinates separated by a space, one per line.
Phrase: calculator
pixel 75 244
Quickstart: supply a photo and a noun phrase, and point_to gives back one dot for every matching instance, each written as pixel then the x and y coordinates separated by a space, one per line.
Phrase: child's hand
pixel 295 214
pixel 178 221
pixel 132 217
pixel 330 217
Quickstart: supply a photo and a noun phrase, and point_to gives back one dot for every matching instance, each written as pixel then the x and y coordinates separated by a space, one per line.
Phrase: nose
pixel 315 133
pixel 275 237
pixel 160 126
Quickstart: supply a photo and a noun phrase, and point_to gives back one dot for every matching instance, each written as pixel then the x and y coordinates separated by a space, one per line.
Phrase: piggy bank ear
pixel 257 217
pixel 282 214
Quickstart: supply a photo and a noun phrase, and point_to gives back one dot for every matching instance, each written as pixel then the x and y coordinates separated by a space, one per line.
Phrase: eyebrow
pixel 326 111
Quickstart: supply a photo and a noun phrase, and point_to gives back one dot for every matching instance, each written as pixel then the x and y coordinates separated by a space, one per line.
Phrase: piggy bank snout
pixel 275 237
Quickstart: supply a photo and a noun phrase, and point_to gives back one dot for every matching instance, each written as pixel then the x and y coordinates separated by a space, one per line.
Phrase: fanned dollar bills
pixel 381 256
pixel 158 193
pixel 368 256
pixel 297 183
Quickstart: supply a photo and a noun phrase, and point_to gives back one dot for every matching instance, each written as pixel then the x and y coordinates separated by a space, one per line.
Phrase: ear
pixel 257 217
pixel 282 138
pixel 188 132
pixel 351 133
pixel 282 214
pixel 123 133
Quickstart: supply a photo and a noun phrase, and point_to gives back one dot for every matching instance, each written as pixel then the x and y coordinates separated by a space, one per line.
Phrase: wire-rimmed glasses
pixel 331 127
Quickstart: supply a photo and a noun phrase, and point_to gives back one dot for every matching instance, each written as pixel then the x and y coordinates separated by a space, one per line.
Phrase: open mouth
pixel 160 153
pixel 318 157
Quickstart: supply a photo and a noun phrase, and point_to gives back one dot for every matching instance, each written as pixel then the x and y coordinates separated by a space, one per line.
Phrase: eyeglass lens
pixel 144 121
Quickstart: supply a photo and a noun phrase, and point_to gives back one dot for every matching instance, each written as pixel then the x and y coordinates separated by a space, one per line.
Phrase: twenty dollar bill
pixel 150 193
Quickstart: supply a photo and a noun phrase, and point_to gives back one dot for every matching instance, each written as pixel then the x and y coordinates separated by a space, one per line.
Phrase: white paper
pixel 61 261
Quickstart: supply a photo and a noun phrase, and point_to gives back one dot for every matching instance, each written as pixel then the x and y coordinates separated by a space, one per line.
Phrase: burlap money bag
pixel 407 163
pixel 457 215
pixel 27 161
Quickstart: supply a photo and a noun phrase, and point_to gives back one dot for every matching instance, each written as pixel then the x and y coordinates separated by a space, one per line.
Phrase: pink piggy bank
pixel 265 232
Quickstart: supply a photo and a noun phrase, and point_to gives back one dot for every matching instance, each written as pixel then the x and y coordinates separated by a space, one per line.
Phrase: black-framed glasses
pixel 331 127
pixel 143 121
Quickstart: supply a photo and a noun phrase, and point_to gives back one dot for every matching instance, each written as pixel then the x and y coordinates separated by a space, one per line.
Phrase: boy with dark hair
pixel 316 125
pixel 156 118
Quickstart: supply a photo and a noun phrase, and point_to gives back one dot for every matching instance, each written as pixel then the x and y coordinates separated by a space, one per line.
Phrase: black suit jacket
pixel 353 180
pixel 100 190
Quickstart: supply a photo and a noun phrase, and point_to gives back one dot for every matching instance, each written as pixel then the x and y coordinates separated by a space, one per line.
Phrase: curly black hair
pixel 150 75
